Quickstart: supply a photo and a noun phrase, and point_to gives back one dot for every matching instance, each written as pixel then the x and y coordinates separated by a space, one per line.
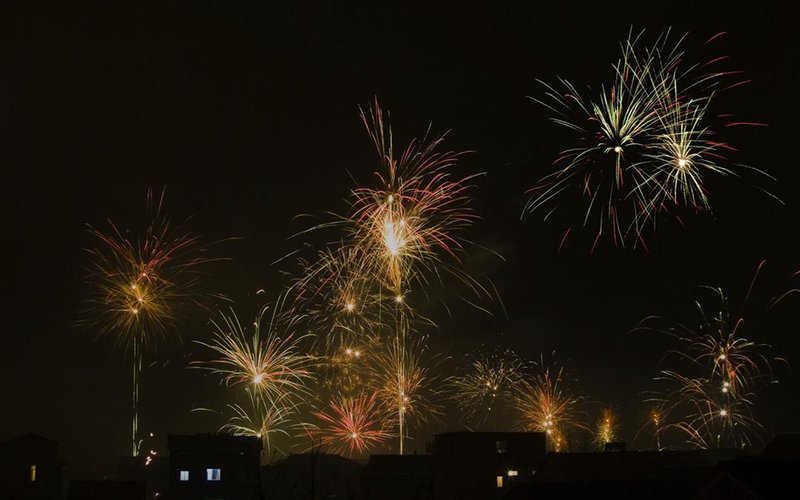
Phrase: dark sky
pixel 248 115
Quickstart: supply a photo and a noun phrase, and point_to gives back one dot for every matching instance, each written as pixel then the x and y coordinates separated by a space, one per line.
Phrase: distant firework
pixel 486 384
pixel 546 404
pixel 606 428
pixel 712 378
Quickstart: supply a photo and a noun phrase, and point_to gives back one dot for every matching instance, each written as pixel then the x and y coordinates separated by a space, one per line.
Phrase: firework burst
pixel 547 405
pixel 353 425
pixel 262 418
pixel 140 282
pixel 606 428
pixel 270 362
pixel 413 216
pixel 716 376
pixel 646 146
pixel 485 385
pixel 402 377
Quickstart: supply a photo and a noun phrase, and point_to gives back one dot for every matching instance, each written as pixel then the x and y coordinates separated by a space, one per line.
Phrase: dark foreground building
pixel 462 465
pixel 106 490
pixel 214 466
pixel 696 474
pixel 30 469
pixel 398 477
pixel 311 475
pixel 485 465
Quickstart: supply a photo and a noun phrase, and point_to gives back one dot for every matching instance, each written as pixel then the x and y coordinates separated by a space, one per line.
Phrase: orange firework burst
pixel 547 405
pixel 139 282
pixel 605 430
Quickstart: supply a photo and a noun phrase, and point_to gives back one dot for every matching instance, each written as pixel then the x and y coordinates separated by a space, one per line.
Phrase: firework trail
pixel 645 142
pixel 488 382
pixel 547 405
pixel 139 282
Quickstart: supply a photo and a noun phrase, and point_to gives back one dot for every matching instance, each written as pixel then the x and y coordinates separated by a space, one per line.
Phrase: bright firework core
pixel 393 236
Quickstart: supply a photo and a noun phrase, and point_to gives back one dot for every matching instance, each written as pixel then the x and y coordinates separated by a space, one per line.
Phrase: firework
pixel 655 420
pixel 339 298
pixel 414 214
pixel 547 405
pixel 489 380
pixel 263 418
pixel 605 430
pixel 646 145
pixel 353 425
pixel 271 361
pixel 402 378
pixel 717 374
pixel 139 283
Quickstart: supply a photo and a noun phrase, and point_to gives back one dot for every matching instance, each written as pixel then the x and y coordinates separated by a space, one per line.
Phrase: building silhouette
pixel 30 469
pixel 214 466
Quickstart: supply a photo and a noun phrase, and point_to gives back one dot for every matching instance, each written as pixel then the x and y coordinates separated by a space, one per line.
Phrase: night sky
pixel 248 114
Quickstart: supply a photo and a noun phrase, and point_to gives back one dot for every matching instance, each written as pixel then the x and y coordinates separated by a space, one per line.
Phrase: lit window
pixel 184 475
pixel 214 474
pixel 501 446
pixel 499 481
pixel 512 473
pixel 33 473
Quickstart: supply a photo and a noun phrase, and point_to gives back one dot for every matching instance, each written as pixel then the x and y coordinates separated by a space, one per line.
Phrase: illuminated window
pixel 501 446
pixel 499 481
pixel 33 473
pixel 512 473
pixel 214 474
pixel 184 475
